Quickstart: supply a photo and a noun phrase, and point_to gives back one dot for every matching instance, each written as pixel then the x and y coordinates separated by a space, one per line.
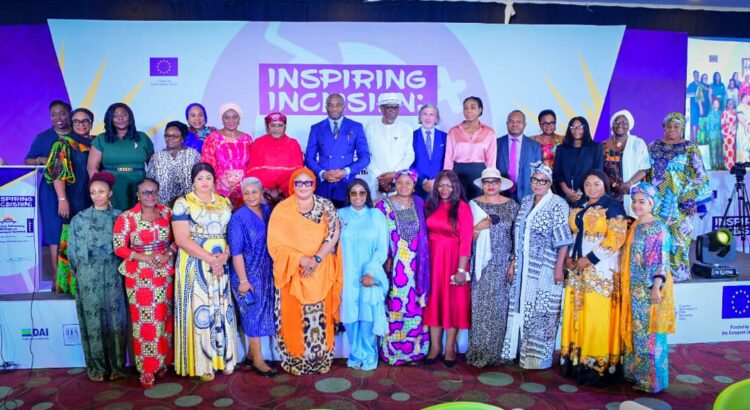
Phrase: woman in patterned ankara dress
pixel 100 297
pixel 647 295
pixel 171 166
pixel 408 269
pixel 205 331
pixel 591 348
pixel 493 216
pixel 228 152
pixel 143 239
pixel 677 172
pixel 302 236
pixel 542 237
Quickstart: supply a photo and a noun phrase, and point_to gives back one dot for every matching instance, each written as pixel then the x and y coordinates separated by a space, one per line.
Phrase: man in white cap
pixel 390 143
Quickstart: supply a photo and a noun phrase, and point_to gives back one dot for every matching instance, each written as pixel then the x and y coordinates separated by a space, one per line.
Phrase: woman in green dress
pixel 122 151
pixel 100 295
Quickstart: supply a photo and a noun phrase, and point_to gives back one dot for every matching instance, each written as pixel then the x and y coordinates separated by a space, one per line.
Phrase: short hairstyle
pixel 85 111
pixel 202 166
pixel 478 101
pixel 109 128
pixel 60 102
pixel 251 181
pixel 179 125
pixel 354 182
pixel 587 140
pixel 517 111
pixel 599 174
pixel 544 113
pixel 429 105
pixel 145 180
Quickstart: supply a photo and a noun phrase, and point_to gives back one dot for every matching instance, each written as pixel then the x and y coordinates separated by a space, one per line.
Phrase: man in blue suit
pixel 332 147
pixel 429 149
pixel 515 153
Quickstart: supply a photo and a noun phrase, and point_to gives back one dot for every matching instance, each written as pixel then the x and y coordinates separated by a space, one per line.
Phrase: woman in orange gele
pixel 308 271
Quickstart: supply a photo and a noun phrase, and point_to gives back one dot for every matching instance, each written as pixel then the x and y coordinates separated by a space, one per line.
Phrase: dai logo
pixel 35 333
pixel 7 218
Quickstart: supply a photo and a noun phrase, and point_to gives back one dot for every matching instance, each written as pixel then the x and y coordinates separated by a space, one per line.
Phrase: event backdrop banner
pixel 19 230
pixel 718 77
pixel 160 67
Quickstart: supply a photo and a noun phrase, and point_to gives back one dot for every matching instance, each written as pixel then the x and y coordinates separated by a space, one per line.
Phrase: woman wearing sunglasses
pixel 542 237
pixel 302 235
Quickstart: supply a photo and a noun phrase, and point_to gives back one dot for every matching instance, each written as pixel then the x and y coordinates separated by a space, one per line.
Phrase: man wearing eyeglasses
pixel 515 153
pixel 390 143
pixel 336 151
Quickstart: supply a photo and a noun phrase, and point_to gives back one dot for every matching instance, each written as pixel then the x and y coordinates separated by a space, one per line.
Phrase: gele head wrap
pixel 649 191
pixel 187 111
pixel 625 113
pixel 674 116
pixel 410 173
pixel 540 167
pixel 275 116
pixel 230 106
pixel 296 173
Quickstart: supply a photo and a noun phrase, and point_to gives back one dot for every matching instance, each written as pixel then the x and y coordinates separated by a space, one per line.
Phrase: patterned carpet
pixel 698 373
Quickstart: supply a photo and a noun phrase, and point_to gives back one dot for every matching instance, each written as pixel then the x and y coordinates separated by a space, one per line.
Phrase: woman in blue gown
pixel 364 240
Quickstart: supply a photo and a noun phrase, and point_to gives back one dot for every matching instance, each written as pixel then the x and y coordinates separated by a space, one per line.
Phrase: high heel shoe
pixel 429 361
pixel 449 363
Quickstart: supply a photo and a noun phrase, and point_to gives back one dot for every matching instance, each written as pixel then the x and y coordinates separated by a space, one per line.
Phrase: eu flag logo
pixel 735 302
pixel 163 66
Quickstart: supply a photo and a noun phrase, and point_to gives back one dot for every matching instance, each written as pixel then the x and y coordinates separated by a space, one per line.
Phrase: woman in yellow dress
pixel 590 349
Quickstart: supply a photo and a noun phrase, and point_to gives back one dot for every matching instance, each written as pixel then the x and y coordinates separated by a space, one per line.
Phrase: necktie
pixel 513 166
pixel 335 129
pixel 429 144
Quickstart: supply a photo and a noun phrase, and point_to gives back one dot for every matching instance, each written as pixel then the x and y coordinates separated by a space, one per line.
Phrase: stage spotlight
pixel 713 251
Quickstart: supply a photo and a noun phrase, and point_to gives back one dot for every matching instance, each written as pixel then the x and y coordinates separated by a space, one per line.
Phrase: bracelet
pixel 62 199
pixel 244 281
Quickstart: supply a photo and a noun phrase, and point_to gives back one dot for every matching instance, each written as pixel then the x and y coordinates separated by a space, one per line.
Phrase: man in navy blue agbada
pixel 336 151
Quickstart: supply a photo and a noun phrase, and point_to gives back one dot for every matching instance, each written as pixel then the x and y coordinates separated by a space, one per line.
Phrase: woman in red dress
pixel 449 228
pixel 143 239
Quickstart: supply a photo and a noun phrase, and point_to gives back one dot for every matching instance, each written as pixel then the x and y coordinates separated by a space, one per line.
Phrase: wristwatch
pixel 317 258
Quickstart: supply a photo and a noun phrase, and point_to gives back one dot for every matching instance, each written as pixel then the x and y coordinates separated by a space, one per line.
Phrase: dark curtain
pixel 694 22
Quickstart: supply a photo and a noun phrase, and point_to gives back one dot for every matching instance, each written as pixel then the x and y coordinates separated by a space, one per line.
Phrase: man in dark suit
pixel 429 149
pixel 515 153
pixel 336 151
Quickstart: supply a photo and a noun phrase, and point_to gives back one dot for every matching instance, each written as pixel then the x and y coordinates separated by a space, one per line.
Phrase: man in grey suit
pixel 515 153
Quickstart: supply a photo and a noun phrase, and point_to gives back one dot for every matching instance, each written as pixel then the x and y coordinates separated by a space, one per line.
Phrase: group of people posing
pixel 397 237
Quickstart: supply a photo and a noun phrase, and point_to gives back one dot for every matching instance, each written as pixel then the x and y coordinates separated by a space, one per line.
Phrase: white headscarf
pixel 626 114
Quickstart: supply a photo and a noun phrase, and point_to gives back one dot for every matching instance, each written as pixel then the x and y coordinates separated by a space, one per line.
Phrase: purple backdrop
pixel 31 79
pixel 648 80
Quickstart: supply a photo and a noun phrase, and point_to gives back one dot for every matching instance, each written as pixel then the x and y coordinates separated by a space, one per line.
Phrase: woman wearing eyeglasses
pixel 542 237
pixel 364 242
pixel 493 216
pixel 171 166
pixel 302 236
pixel 205 331
pixel 549 139
pixel 577 155
pixel 66 171
pixel 626 158
pixel 143 240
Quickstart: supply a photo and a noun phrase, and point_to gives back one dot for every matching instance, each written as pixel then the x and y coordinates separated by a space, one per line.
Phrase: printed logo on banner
pixel 35 333
pixel 735 302
pixel 745 66
pixel 7 219
pixel 302 89
pixel 71 335
pixel 163 66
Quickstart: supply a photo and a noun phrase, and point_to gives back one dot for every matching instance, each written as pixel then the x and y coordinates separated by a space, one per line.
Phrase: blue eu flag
pixel 735 302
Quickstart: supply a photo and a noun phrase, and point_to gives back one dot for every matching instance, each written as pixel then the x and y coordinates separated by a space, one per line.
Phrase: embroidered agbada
pixel 149 288
pixel 272 161
pixel 644 326
pixel 591 347
pixel 535 299
pixel 307 308
pixel 205 331
pixel 229 158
